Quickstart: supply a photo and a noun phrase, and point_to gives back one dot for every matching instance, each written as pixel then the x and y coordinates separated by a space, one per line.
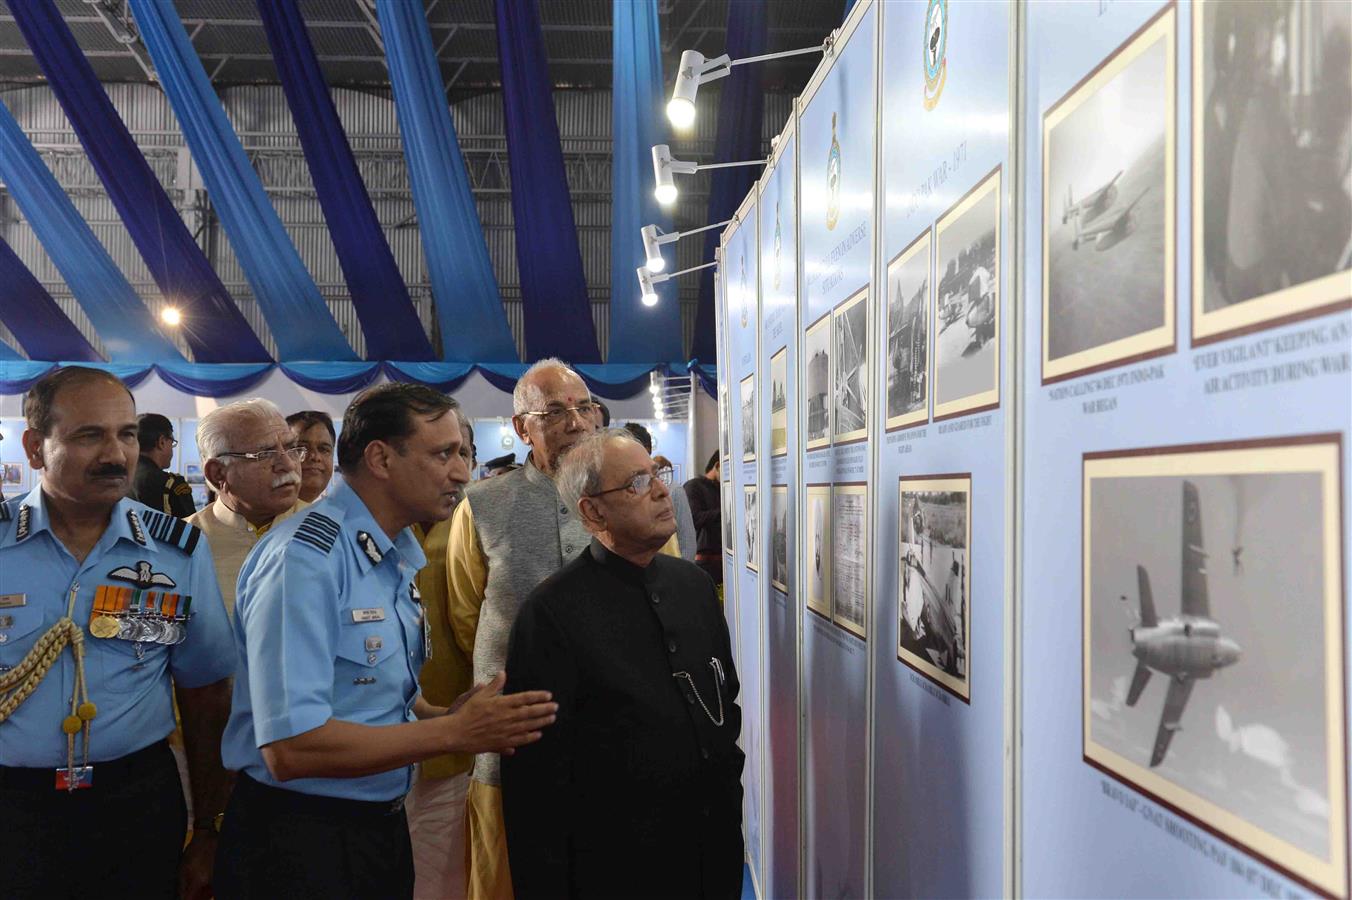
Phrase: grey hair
pixel 526 392
pixel 580 472
pixel 215 429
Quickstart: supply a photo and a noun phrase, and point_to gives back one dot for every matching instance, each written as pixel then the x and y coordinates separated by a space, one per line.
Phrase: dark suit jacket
pixel 634 791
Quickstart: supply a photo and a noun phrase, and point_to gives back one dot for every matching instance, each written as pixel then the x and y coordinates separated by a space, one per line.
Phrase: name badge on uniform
pixel 374 614
pixel 73 780
pixel 10 601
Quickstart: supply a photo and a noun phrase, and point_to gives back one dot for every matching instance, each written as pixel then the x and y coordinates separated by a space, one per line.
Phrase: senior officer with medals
pixel 330 631
pixel 637 788
pixel 107 610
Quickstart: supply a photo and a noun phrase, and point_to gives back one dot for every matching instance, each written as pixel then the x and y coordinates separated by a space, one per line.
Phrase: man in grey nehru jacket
pixel 509 534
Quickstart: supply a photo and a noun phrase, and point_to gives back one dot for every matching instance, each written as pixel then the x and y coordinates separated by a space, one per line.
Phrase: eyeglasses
pixel 296 453
pixel 641 483
pixel 556 416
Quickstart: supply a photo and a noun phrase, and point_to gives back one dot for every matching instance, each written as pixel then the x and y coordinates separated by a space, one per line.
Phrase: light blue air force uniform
pixel 328 625
pixel 142 552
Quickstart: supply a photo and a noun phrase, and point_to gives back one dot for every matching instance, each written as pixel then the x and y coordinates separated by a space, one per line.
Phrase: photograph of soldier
pixel 817 350
pixel 1272 163
pixel 852 374
pixel 908 306
pixel 1108 210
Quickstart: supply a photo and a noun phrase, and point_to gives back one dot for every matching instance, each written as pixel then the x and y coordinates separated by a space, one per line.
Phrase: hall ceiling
pixel 231 43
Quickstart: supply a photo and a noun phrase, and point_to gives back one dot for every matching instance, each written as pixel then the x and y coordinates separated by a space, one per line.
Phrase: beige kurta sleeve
pixel 466 576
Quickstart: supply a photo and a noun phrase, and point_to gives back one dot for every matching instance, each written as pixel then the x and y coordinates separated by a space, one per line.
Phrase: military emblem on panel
pixel 833 179
pixel 936 51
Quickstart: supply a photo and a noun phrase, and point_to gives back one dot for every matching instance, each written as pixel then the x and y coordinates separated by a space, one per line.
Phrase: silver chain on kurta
pixel 717 666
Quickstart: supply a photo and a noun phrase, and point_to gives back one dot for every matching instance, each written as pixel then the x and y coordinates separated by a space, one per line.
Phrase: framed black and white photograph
pixel 779 403
pixel 1213 641
pixel 817 548
pixel 1272 197
pixel 967 303
pixel 817 382
pixel 908 330
pixel 725 426
pixel 851 381
pixel 849 559
pixel 747 394
pixel 751 526
pixel 779 537
pixel 725 507
pixel 934 562
pixel 1108 210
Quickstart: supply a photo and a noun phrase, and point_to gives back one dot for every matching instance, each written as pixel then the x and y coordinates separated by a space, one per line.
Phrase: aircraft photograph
pixel 1186 648
pixel 1093 206
pixel 1110 231
pixel 1112 135
pixel 1206 684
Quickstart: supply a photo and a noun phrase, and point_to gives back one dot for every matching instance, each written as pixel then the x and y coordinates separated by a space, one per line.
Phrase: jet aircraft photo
pixel 1186 648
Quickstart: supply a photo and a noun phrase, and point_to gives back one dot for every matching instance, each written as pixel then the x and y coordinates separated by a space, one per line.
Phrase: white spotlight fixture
pixel 695 70
pixel 171 316
pixel 664 167
pixel 647 292
pixel 647 281
pixel 654 237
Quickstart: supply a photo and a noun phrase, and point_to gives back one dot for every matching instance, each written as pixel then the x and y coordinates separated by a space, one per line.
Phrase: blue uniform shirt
pixel 328 625
pixel 142 551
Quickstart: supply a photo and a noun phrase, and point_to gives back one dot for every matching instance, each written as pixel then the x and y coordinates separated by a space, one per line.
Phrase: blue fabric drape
pixel 741 105
pixel 444 376
pixel 469 306
pixel 116 311
pixel 30 313
pixel 17 376
pixel 379 295
pixel 297 315
pixel 219 380
pixel 8 353
pixel 555 306
pixel 613 382
pixel 213 326
pixel 638 333
pixel 332 377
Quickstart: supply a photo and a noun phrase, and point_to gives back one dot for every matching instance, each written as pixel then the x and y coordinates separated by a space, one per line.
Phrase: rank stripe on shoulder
pixel 5 512
pixel 319 531
pixel 171 530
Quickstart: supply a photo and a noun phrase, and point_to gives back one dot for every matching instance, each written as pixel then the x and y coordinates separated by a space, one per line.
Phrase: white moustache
pixel 286 478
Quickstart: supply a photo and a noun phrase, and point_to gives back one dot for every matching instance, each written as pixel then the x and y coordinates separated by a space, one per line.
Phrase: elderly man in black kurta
pixel 636 789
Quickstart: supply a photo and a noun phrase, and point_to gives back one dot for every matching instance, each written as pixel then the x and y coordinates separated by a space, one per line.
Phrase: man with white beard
pixel 250 460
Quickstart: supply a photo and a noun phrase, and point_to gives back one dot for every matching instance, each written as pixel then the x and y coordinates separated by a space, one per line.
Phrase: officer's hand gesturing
pixel 487 721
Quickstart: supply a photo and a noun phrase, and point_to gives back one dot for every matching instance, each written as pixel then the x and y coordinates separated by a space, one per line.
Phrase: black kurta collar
pixel 623 568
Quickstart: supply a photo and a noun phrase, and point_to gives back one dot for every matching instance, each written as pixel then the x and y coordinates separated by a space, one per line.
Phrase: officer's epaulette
pixel 169 529
pixel 319 531
pixel 6 512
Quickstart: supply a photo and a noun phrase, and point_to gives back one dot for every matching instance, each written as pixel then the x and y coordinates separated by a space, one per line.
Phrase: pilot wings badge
pixel 142 576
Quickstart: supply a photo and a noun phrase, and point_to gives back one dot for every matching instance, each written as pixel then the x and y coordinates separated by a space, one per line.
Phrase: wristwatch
pixel 209 823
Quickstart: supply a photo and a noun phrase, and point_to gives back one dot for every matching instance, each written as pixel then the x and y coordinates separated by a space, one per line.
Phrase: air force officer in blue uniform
pixel 327 719
pixel 107 607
